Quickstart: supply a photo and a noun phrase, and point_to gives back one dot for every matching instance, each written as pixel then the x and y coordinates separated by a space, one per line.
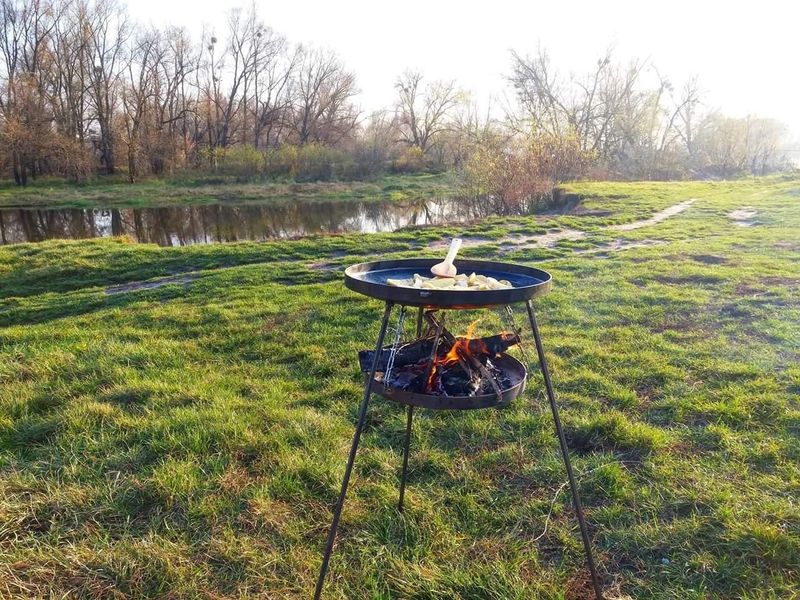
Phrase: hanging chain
pixel 516 330
pixel 398 334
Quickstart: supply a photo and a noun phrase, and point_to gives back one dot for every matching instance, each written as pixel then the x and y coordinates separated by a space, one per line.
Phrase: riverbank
pixel 176 420
pixel 104 193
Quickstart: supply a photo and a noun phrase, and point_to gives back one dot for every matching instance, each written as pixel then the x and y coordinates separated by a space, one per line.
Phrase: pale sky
pixel 746 54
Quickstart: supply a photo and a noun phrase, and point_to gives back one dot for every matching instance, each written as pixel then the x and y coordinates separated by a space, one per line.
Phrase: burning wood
pixel 467 352
pixel 460 366
pixel 418 350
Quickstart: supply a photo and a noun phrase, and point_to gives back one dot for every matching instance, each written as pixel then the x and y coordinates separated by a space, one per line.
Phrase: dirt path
pixel 618 245
pixel 663 215
pixel 544 240
pixel 551 238
pixel 134 286
pixel 743 217
pixel 467 242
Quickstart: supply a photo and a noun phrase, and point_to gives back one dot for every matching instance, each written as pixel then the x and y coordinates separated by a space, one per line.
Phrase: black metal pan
pixel 370 279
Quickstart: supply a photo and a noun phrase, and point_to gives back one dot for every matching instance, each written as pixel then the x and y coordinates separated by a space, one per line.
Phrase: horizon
pixel 476 53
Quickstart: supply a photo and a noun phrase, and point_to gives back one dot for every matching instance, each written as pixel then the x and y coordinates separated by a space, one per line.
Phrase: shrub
pixel 283 162
pixel 370 159
pixel 72 158
pixel 317 162
pixel 209 156
pixel 412 160
pixel 311 162
pixel 242 161
pixel 523 168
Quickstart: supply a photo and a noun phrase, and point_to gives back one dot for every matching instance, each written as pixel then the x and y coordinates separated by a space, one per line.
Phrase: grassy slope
pixel 188 441
pixel 50 193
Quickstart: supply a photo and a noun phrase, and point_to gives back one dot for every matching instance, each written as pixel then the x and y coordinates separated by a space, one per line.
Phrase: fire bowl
pixel 513 369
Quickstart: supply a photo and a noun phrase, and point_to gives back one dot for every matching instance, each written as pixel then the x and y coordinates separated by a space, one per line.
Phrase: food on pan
pixel 473 282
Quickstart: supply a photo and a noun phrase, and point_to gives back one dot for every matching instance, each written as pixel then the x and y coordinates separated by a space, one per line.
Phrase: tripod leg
pixel 410 412
pixel 576 500
pixel 362 417
pixel 410 416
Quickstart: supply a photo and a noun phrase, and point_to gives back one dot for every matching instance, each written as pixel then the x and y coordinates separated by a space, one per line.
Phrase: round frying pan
pixel 370 279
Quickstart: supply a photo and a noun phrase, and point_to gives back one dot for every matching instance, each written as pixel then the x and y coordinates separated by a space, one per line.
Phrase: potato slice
pixel 461 282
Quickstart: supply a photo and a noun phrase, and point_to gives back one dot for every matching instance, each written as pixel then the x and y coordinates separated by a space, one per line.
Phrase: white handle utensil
pixel 446 267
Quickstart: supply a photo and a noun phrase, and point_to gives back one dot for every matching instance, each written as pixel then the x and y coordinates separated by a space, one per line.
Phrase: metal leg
pixel 406 444
pixel 576 500
pixel 410 411
pixel 362 417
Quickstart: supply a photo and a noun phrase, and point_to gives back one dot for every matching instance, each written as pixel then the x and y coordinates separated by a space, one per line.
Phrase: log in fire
pixel 440 363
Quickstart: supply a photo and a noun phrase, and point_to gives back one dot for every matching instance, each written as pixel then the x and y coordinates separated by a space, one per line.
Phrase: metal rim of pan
pixel 369 278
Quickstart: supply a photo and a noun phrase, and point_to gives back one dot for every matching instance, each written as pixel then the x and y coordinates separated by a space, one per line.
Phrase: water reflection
pixel 205 224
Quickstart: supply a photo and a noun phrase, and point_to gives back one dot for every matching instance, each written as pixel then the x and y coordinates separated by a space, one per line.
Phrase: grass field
pixel 118 193
pixel 188 440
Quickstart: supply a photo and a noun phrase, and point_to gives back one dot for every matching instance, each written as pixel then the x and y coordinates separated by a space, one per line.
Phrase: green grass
pixel 117 193
pixel 188 441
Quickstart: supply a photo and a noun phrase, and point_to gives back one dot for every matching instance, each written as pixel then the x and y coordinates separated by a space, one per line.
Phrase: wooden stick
pixel 432 361
pixel 474 362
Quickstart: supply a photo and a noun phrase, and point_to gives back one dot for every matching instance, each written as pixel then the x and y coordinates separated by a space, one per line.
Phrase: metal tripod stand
pixel 362 415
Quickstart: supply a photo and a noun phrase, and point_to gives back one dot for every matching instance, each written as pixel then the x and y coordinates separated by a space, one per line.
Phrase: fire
pixel 461 348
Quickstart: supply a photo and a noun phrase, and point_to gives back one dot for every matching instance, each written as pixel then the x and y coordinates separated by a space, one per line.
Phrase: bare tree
pixel 109 31
pixel 470 127
pixel 422 114
pixel 587 108
pixel 244 87
pixel 25 29
pixel 245 33
pixel 139 92
pixel 79 84
pixel 174 104
pixel 765 145
pixel 684 117
pixel 69 71
pixel 272 89
pixel 375 143
pixel 323 92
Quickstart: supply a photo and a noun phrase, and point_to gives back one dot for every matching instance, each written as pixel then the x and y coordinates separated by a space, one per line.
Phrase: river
pixel 229 222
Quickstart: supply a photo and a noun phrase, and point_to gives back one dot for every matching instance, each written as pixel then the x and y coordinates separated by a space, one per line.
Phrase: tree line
pixel 85 91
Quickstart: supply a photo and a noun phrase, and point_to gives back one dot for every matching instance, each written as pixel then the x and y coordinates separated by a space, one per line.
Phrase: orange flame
pixel 460 348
